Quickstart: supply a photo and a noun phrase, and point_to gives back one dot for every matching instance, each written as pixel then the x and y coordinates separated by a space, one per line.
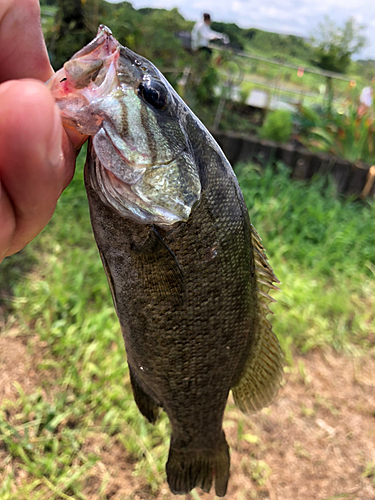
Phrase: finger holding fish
pixel 37 156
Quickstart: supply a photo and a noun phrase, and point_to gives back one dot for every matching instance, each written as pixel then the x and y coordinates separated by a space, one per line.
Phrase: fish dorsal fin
pixel 263 369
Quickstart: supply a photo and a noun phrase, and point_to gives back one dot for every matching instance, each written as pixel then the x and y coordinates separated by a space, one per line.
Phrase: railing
pixel 275 90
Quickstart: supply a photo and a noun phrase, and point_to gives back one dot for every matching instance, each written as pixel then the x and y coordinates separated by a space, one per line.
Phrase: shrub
pixel 277 126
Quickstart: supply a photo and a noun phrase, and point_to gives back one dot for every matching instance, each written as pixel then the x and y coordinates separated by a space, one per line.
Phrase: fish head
pixel 146 169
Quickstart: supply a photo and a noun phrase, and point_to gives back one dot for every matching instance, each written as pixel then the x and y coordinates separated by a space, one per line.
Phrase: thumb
pixel 36 161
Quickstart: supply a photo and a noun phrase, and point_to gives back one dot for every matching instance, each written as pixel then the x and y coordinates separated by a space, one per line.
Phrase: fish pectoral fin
pixel 158 267
pixel 263 371
pixel 145 403
pixel 109 277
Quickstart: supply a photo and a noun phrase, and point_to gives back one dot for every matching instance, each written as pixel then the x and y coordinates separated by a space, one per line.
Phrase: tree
pixel 335 45
pixel 75 25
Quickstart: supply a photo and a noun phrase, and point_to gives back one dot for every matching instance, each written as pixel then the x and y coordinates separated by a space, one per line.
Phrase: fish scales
pixel 187 271
pixel 216 289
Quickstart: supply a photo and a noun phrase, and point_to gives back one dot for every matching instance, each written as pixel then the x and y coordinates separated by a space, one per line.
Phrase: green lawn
pixel 321 248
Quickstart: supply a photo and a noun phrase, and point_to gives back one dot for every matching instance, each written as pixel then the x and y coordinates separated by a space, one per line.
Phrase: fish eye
pixel 153 92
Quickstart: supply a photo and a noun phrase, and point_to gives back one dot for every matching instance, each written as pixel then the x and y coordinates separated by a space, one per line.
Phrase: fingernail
pixel 55 155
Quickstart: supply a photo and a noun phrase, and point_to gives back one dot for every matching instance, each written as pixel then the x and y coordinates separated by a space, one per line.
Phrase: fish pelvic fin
pixel 145 403
pixel 263 371
pixel 191 468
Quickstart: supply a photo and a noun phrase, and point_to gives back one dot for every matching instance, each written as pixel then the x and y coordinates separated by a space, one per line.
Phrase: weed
pixel 370 471
pixel 258 470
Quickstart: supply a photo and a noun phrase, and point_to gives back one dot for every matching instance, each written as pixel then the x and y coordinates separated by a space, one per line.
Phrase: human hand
pixel 37 155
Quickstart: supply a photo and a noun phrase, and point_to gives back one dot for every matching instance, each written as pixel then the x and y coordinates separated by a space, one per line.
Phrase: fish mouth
pixel 88 64
pixel 101 47
pixel 86 78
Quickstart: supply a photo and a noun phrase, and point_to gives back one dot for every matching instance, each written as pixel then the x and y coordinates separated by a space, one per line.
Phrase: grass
pixel 320 247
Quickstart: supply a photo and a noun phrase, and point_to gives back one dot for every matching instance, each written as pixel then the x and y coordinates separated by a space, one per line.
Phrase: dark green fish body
pixel 189 278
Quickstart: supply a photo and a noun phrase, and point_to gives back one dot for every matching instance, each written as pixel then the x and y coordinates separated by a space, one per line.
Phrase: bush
pixel 277 126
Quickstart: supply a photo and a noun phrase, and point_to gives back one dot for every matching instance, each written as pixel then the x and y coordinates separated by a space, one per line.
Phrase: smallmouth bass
pixel 187 271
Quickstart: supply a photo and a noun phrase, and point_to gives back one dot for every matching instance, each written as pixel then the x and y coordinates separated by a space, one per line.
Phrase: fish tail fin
pixel 187 468
pixel 263 369
pixel 145 403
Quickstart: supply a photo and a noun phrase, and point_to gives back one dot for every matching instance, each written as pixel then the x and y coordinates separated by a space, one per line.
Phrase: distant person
pixel 202 34
pixel 366 98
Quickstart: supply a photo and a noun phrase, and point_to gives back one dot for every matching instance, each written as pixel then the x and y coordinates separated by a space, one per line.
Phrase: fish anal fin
pixel 145 403
pixel 263 370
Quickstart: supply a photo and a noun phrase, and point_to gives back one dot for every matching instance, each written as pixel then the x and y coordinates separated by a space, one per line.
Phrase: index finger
pixel 23 52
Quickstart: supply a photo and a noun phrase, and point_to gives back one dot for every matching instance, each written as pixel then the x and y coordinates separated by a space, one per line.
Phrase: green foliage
pixel 40 438
pixel 158 41
pixel 277 46
pixel 74 26
pixel 341 132
pixel 125 22
pixel 322 250
pixel 366 68
pixel 199 89
pixel 277 126
pixel 335 45
pixel 234 32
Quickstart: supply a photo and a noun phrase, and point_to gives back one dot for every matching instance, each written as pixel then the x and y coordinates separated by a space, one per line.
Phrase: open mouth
pixel 103 45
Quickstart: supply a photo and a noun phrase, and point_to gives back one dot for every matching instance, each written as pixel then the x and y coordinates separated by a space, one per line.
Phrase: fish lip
pixel 103 39
pixel 102 47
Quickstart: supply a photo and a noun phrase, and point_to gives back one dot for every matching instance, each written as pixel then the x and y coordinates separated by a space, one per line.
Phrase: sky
pixel 297 17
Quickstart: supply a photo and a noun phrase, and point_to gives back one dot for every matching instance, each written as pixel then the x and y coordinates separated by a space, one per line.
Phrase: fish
pixel 188 272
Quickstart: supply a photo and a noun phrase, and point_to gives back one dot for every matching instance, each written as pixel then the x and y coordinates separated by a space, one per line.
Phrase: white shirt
pixel 202 34
pixel 366 96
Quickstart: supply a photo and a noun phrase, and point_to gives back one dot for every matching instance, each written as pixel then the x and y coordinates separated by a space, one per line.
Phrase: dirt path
pixel 18 364
pixel 317 441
